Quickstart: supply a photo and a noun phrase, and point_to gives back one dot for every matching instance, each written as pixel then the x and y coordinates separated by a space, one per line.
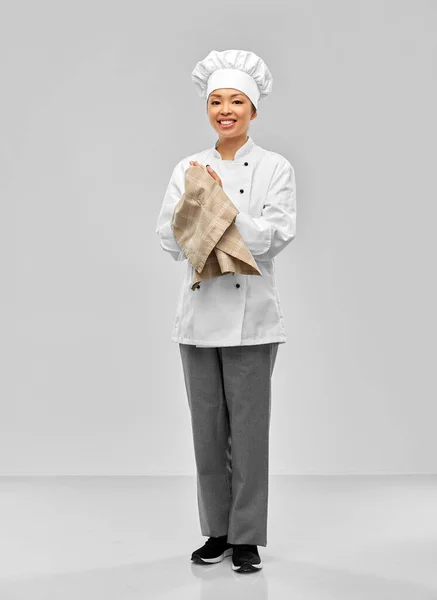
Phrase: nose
pixel 225 110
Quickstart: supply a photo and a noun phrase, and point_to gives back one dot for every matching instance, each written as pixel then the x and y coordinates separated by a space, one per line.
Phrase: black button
pixel 237 285
pixel 241 191
pixel 245 164
pixel 198 285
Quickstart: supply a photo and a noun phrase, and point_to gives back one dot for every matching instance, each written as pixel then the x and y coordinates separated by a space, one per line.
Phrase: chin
pixel 229 133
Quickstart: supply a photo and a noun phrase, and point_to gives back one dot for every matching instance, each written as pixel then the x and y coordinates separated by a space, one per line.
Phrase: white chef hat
pixel 239 69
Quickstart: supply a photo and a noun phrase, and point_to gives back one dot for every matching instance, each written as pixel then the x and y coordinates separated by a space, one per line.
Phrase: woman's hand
pixel 213 174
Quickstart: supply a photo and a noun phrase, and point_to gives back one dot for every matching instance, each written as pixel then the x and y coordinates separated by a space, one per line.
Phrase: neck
pixel 227 147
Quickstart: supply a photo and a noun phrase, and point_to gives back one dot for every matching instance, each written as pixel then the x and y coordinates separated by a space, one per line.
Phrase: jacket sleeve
pixel 173 193
pixel 269 234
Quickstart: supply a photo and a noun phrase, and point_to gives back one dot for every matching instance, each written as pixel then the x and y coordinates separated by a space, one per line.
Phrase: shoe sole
pixel 207 561
pixel 247 567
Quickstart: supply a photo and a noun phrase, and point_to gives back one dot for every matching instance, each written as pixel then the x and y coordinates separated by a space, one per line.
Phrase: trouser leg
pixel 211 436
pixel 229 394
pixel 247 372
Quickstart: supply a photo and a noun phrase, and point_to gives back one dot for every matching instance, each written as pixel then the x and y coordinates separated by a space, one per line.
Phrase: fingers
pixel 213 174
pixel 196 164
pixel 211 171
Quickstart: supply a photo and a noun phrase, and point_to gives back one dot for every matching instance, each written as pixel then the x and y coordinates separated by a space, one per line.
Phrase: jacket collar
pixel 242 151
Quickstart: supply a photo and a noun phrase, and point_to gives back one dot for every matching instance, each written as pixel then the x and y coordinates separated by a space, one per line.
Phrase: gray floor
pixel 371 537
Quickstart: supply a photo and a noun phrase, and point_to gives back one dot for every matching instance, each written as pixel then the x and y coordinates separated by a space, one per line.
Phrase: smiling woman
pixel 230 325
pixel 230 112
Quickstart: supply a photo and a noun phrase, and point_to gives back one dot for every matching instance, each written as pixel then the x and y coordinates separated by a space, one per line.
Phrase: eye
pixel 214 101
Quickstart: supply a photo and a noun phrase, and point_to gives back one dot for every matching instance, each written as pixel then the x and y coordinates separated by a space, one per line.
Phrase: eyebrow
pixel 219 95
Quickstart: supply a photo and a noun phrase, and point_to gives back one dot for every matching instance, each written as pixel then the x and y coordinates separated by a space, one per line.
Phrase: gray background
pixel 97 108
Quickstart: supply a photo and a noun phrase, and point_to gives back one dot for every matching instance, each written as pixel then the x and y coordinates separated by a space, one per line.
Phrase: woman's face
pixel 230 104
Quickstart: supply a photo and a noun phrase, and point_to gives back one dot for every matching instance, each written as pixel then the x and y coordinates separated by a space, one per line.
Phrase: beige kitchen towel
pixel 203 225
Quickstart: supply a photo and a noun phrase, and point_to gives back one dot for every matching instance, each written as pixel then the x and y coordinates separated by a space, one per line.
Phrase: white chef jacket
pixel 234 309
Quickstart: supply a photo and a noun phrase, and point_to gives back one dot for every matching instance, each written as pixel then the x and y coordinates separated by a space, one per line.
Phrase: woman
pixel 229 327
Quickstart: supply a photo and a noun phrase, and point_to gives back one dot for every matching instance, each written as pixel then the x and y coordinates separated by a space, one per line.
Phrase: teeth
pixel 226 122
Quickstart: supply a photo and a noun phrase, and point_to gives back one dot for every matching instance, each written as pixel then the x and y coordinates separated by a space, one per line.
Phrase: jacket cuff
pixel 256 232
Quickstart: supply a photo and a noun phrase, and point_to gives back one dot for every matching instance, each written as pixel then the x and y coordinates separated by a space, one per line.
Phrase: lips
pixel 229 125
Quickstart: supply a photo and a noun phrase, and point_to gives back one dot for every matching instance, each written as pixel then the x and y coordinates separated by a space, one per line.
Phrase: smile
pixel 226 124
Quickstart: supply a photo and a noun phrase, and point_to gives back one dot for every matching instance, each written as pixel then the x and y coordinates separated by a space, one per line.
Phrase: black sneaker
pixel 246 558
pixel 213 551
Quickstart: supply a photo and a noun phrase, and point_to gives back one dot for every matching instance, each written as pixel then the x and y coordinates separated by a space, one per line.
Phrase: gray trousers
pixel 229 395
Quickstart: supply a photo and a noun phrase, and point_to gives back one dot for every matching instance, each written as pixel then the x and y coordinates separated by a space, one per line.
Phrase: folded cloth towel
pixel 203 225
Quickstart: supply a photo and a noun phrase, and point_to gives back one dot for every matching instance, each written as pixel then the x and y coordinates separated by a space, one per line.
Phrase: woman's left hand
pixel 211 171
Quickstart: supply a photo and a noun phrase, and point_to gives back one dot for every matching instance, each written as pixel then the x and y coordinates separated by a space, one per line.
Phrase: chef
pixel 229 327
